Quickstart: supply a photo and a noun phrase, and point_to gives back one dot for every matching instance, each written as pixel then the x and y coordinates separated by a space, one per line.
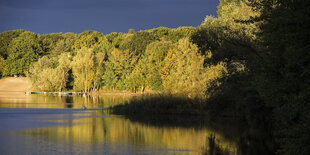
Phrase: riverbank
pixel 161 104
pixel 22 85
pixel 12 89
pixel 17 84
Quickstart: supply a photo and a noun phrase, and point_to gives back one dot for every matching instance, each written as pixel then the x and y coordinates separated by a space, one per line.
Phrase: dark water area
pixel 39 124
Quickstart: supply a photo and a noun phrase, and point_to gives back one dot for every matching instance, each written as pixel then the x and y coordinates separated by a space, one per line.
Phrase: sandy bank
pixel 12 84
pixel 13 89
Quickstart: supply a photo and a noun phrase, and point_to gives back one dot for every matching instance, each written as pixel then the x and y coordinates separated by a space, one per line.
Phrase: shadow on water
pixel 86 132
pixel 244 140
pixel 213 147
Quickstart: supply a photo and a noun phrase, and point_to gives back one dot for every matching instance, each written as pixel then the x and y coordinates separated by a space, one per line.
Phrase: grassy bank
pixel 161 104
pixel 254 115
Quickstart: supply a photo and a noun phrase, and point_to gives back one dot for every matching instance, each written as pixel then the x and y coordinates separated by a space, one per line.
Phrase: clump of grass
pixel 160 104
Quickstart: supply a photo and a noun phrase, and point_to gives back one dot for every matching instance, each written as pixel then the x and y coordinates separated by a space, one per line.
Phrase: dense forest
pixel 251 60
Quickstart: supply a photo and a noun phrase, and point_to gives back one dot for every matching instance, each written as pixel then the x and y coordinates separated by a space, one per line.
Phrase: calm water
pixel 38 124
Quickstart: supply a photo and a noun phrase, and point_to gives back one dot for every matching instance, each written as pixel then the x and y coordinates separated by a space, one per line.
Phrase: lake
pixel 46 124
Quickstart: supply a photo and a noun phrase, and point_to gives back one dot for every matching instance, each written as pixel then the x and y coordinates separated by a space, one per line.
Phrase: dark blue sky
pixel 106 16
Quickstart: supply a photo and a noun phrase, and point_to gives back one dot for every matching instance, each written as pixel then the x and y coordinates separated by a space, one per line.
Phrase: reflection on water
pixel 21 100
pixel 116 130
pixel 74 131
pixel 96 132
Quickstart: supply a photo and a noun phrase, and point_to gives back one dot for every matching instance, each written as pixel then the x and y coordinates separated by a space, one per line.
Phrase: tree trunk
pixel 142 89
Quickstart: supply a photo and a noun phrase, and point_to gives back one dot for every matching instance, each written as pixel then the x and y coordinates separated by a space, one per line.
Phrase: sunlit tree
pixel 137 79
pixel 155 54
pixel 99 68
pixel 118 68
pixel 83 68
pixel 49 41
pixel 62 71
pixel 187 75
pixel 88 39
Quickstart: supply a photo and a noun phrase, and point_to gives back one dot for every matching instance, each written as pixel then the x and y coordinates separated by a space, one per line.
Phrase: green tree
pixel 188 76
pixel 283 79
pixel 5 40
pixel 175 35
pixel 62 71
pixel 23 50
pixel 104 47
pixel 169 64
pixel 118 67
pixel 83 67
pixel 131 31
pixel 159 33
pixel 41 74
pixel 60 47
pixel 155 54
pixel 138 42
pixel 116 39
pixel 70 38
pixel 137 78
pixel 50 74
pixel 88 39
pixel 110 78
pixel 100 59
pixel 49 41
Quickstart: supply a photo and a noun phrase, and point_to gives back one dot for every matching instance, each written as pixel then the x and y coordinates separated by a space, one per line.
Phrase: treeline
pixel 160 59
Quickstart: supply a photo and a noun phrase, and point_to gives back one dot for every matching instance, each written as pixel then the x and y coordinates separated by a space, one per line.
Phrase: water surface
pixel 38 124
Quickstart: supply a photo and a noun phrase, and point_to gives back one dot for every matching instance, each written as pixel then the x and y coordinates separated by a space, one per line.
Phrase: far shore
pixel 90 93
pixel 21 86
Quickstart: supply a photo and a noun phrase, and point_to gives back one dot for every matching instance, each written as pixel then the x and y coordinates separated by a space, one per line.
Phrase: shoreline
pixel 89 94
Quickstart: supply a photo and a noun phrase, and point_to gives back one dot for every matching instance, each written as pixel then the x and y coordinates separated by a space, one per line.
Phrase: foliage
pixel 137 79
pixel 5 40
pixel 99 70
pixel 83 69
pixel 118 67
pixel 138 42
pixel 22 50
pixel 115 39
pixel 50 74
pixel 160 104
pixel 159 33
pixel 155 54
pixel 48 41
pixel 1 66
pixel 283 79
pixel 88 39
pixel 104 47
pixel 175 35
pixel 208 37
pixel 187 75
pixel 131 31
pixel 64 45
pixel 62 70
